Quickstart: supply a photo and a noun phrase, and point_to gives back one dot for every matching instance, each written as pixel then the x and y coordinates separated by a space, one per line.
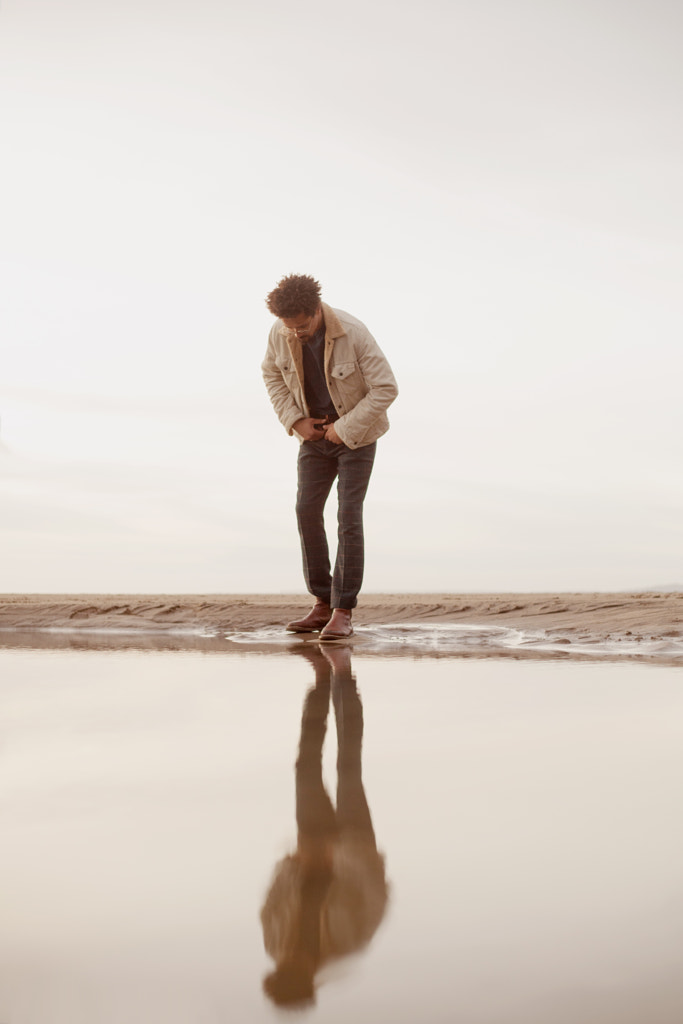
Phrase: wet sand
pixel 651 623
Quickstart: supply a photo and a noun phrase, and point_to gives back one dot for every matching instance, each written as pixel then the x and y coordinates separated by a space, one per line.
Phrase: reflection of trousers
pixel 316 816
pixel 320 463
pixel 353 813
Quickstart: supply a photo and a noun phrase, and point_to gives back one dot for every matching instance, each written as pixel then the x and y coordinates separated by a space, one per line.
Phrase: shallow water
pixel 528 814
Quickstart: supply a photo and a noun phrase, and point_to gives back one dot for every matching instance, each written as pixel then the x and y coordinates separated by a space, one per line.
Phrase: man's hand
pixel 310 429
pixel 332 435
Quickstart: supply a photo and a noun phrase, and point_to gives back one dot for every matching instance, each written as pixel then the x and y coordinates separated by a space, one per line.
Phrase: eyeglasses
pixel 302 329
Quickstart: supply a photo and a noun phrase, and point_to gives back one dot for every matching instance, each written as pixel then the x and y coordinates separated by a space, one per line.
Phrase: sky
pixel 492 187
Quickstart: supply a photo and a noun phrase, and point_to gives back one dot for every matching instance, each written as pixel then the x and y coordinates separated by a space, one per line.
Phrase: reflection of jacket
pixel 352 911
pixel 358 377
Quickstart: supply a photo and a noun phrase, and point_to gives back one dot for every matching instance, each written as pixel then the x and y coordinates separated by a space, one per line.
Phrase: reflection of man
pixel 328 898
pixel 331 385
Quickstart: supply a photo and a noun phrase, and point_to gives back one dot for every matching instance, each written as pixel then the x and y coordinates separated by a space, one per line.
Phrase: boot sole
pixel 303 629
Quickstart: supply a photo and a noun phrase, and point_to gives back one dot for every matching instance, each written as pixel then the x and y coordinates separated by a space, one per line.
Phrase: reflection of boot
pixel 339 659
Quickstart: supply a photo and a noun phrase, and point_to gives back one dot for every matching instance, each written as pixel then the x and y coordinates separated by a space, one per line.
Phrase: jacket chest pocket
pixel 286 368
pixel 348 380
pixel 343 371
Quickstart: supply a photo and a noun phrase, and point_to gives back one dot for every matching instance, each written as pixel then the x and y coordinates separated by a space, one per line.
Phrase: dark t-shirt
pixel 317 396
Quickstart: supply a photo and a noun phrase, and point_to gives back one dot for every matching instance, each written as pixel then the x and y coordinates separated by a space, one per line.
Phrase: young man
pixel 330 384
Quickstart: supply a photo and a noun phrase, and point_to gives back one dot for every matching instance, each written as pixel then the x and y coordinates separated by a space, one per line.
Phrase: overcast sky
pixel 494 188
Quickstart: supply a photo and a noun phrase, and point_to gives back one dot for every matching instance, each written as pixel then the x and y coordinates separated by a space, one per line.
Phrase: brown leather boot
pixel 339 625
pixel 318 616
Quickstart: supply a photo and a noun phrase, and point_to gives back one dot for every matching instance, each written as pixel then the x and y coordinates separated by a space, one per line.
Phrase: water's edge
pixel 400 639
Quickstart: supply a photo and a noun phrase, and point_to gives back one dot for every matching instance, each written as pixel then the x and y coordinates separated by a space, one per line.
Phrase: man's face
pixel 304 326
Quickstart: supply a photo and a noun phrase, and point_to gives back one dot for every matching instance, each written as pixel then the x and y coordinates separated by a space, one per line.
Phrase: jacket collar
pixel 333 328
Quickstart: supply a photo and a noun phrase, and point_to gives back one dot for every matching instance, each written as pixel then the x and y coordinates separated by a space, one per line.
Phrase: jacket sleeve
pixel 381 386
pixel 279 392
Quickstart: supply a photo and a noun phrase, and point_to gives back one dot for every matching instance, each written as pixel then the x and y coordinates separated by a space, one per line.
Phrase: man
pixel 330 384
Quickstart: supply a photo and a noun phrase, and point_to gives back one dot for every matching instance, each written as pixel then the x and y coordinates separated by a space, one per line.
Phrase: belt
pixel 331 417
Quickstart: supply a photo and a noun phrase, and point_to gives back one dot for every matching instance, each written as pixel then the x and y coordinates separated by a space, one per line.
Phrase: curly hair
pixel 294 294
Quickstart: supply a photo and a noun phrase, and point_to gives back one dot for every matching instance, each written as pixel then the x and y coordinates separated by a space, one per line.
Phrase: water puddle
pixel 201 836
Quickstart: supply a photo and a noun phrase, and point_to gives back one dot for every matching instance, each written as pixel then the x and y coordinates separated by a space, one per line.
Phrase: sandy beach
pixel 651 622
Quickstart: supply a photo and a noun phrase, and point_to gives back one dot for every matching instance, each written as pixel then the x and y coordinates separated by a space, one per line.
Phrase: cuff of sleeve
pixel 341 429
pixel 288 424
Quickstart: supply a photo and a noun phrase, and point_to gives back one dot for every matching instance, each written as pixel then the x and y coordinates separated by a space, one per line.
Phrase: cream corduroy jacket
pixel 358 377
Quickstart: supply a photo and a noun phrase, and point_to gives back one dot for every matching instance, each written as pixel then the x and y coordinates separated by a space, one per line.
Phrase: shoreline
pixel 602 623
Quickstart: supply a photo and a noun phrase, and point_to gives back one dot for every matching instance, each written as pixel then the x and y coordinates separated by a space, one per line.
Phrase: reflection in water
pixel 328 898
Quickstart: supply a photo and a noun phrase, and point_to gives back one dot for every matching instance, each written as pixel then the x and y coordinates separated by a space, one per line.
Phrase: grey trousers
pixel 320 464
